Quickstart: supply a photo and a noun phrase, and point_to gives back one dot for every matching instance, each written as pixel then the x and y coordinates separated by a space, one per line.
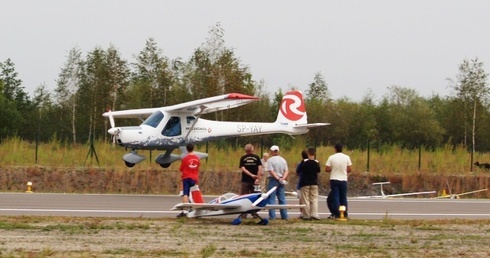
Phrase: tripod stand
pixel 91 152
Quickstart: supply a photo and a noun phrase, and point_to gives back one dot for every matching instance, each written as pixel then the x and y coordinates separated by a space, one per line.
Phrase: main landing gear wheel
pixel 129 164
pixel 263 222
pixel 166 165
pixel 236 221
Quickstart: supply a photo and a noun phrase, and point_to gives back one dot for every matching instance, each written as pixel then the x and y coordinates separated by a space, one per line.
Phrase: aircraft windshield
pixel 154 119
pixel 226 196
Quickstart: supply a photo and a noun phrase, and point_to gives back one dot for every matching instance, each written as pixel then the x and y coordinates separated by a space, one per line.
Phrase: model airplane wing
pixel 205 206
pixel 212 104
pixel 456 196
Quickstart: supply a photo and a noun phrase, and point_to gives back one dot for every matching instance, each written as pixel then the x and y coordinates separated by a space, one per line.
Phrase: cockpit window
pixel 172 128
pixel 154 119
pixel 190 119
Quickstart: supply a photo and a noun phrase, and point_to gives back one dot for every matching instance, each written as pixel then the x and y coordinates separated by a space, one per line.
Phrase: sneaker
pixel 182 214
pixel 332 217
pixel 315 218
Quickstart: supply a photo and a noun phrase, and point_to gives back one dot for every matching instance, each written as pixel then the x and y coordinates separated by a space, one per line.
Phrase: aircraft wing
pixel 203 106
pixel 456 196
pixel 205 206
pixel 394 195
pixel 141 113
pixel 212 104
pixel 283 206
pixel 409 194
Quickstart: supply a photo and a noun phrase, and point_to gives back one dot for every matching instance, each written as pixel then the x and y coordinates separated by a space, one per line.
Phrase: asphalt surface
pixel 158 206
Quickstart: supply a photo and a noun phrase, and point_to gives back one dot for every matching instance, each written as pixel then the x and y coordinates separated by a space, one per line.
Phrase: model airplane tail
pixel 196 195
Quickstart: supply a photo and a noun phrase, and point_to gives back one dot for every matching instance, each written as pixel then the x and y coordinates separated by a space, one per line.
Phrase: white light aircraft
pixel 230 203
pixel 383 195
pixel 171 127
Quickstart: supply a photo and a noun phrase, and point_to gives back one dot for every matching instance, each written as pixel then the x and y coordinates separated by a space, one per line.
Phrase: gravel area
pixel 215 237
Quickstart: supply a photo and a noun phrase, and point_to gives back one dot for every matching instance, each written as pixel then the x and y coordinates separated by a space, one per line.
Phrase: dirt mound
pixel 158 181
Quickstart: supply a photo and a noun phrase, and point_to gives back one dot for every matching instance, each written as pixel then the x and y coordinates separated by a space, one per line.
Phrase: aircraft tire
pixel 129 164
pixel 263 222
pixel 166 165
pixel 237 221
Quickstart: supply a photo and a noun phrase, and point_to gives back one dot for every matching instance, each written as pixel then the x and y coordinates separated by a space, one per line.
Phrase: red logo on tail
pixel 293 106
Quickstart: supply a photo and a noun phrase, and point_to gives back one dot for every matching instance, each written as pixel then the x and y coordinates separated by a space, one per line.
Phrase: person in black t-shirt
pixel 309 186
pixel 251 167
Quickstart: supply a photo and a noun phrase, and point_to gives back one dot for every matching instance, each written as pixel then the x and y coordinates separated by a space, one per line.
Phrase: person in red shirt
pixel 190 173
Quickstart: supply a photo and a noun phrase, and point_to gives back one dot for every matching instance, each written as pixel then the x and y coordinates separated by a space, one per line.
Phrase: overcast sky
pixel 358 46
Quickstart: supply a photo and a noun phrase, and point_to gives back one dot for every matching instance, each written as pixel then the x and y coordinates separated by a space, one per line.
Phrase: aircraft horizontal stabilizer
pixel 311 125
pixel 201 155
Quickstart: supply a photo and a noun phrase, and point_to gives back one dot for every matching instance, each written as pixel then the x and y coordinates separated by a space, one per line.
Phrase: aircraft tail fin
pixel 292 111
pixel 292 108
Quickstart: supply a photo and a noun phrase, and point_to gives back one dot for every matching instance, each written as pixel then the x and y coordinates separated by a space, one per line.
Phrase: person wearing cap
pixel 278 173
pixel 339 165
pixel 251 167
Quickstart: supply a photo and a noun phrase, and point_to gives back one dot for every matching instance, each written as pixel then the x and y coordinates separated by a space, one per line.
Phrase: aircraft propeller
pixel 113 130
pixel 264 196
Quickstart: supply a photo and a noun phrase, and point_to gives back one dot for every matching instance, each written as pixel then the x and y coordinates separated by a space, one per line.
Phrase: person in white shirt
pixel 339 165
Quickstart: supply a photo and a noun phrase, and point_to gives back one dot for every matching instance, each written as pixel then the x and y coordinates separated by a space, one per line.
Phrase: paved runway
pixel 158 206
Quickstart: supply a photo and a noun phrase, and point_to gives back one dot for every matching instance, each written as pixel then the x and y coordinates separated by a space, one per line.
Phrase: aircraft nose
pixel 113 131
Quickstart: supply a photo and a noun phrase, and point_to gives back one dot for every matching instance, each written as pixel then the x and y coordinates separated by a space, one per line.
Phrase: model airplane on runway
pixel 456 196
pixel 383 195
pixel 171 127
pixel 231 203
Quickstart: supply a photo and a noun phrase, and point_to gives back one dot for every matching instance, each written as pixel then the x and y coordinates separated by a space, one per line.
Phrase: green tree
pixel 213 70
pixel 11 117
pixel 45 123
pixel 153 78
pixel 12 86
pixel 318 90
pixel 16 101
pixel 414 123
pixel 93 93
pixel 363 125
pixel 118 76
pixel 68 83
pixel 470 87
pixel 317 100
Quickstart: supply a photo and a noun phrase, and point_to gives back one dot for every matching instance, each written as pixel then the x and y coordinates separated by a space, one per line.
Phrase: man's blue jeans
pixel 281 196
pixel 339 196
